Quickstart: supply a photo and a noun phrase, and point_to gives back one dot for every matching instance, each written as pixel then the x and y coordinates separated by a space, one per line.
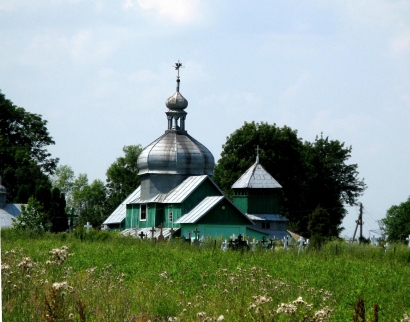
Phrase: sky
pixel 100 71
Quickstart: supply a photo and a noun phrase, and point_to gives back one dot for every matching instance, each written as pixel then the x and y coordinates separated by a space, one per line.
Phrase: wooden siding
pixel 206 189
pixel 255 234
pixel 257 204
pixel 132 219
pixel 228 216
pixel 176 213
pixel 241 202
pixel 215 231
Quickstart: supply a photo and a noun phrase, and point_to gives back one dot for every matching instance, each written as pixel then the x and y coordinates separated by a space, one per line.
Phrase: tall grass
pixel 108 277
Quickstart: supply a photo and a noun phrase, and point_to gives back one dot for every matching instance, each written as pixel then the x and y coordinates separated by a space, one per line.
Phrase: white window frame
pixel 146 212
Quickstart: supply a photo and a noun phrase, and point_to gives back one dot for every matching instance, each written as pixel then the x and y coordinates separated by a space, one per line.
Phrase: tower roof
pixel 256 177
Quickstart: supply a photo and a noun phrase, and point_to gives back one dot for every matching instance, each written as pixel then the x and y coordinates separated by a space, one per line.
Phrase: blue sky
pixel 99 72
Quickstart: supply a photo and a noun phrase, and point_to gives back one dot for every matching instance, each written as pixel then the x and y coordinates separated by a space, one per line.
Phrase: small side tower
pixel 257 194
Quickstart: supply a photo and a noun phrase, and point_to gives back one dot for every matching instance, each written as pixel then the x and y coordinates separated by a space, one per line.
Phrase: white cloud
pixel 177 11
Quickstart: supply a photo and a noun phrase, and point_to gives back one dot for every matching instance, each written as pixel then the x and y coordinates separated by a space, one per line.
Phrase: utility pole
pixel 360 222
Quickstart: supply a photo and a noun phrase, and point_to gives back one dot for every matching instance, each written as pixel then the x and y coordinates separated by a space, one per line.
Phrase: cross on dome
pixel 177 66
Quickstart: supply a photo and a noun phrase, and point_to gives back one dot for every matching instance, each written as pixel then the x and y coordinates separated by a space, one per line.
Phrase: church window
pixel 143 212
pixel 170 217
pixel 265 225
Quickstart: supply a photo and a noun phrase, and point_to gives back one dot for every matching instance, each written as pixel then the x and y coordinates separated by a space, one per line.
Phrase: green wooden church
pixel 178 196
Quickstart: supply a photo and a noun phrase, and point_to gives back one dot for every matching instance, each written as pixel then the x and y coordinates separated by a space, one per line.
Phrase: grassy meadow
pixel 107 277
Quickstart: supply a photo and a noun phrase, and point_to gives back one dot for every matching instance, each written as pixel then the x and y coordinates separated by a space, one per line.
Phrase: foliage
pixel 32 217
pixel 57 211
pixel 397 221
pixel 24 160
pixel 118 280
pixel 122 176
pixel 88 200
pixel 63 179
pixel 319 222
pixel 310 173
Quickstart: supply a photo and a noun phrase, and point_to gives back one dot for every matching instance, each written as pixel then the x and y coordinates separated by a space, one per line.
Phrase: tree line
pixel 317 180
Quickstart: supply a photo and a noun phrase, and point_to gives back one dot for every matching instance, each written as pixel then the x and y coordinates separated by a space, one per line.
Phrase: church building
pixel 177 194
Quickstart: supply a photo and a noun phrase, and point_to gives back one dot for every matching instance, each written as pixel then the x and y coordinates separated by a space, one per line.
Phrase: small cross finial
pixel 257 153
pixel 177 66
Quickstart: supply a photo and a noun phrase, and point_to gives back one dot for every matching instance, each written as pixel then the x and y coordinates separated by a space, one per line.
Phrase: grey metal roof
pixel 256 177
pixel 10 210
pixel 200 210
pixel 182 191
pixel 118 215
pixel 179 193
pixel 269 217
pixel 176 152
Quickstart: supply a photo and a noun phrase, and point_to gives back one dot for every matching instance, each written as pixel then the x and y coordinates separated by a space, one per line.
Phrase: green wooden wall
pixel 206 189
pixel 228 216
pixel 223 231
pixel 253 203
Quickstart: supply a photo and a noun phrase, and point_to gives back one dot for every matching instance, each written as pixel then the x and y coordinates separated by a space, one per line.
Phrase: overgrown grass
pixel 107 277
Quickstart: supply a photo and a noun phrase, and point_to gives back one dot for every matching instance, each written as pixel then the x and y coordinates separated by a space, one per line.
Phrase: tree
pixel 32 217
pixel 310 173
pixel 57 212
pixel 319 223
pixel 63 179
pixel 122 177
pixel 24 160
pixel 397 221
pixel 89 201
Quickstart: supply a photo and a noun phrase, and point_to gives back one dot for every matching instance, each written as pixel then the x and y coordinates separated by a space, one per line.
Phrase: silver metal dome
pixel 176 152
pixel 176 101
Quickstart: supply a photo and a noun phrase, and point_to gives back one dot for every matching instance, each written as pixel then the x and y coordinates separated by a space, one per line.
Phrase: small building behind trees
pixel 8 211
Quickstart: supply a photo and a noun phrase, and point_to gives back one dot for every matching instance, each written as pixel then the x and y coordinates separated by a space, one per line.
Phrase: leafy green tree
pixel 310 173
pixel 63 179
pixel 122 176
pixel 32 217
pixel 57 211
pixel 397 221
pixel 24 160
pixel 319 223
pixel 88 201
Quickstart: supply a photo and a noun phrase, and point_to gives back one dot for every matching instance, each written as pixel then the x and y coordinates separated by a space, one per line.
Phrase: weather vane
pixel 177 66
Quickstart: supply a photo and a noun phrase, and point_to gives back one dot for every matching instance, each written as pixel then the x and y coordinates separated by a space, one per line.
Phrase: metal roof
pixel 179 193
pixel 10 211
pixel 182 191
pixel 256 177
pixel 200 210
pixel 118 215
pixel 176 152
pixel 269 217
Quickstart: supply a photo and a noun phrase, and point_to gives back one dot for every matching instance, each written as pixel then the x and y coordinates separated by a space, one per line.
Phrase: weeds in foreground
pixel 129 280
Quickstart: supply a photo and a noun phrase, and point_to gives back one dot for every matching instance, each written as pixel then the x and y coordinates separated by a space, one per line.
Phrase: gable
pixel 215 210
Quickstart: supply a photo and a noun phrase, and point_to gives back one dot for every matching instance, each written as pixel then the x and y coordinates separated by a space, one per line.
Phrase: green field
pixel 106 277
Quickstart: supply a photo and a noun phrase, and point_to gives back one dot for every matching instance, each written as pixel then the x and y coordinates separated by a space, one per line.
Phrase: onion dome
pixel 176 152
pixel 176 101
